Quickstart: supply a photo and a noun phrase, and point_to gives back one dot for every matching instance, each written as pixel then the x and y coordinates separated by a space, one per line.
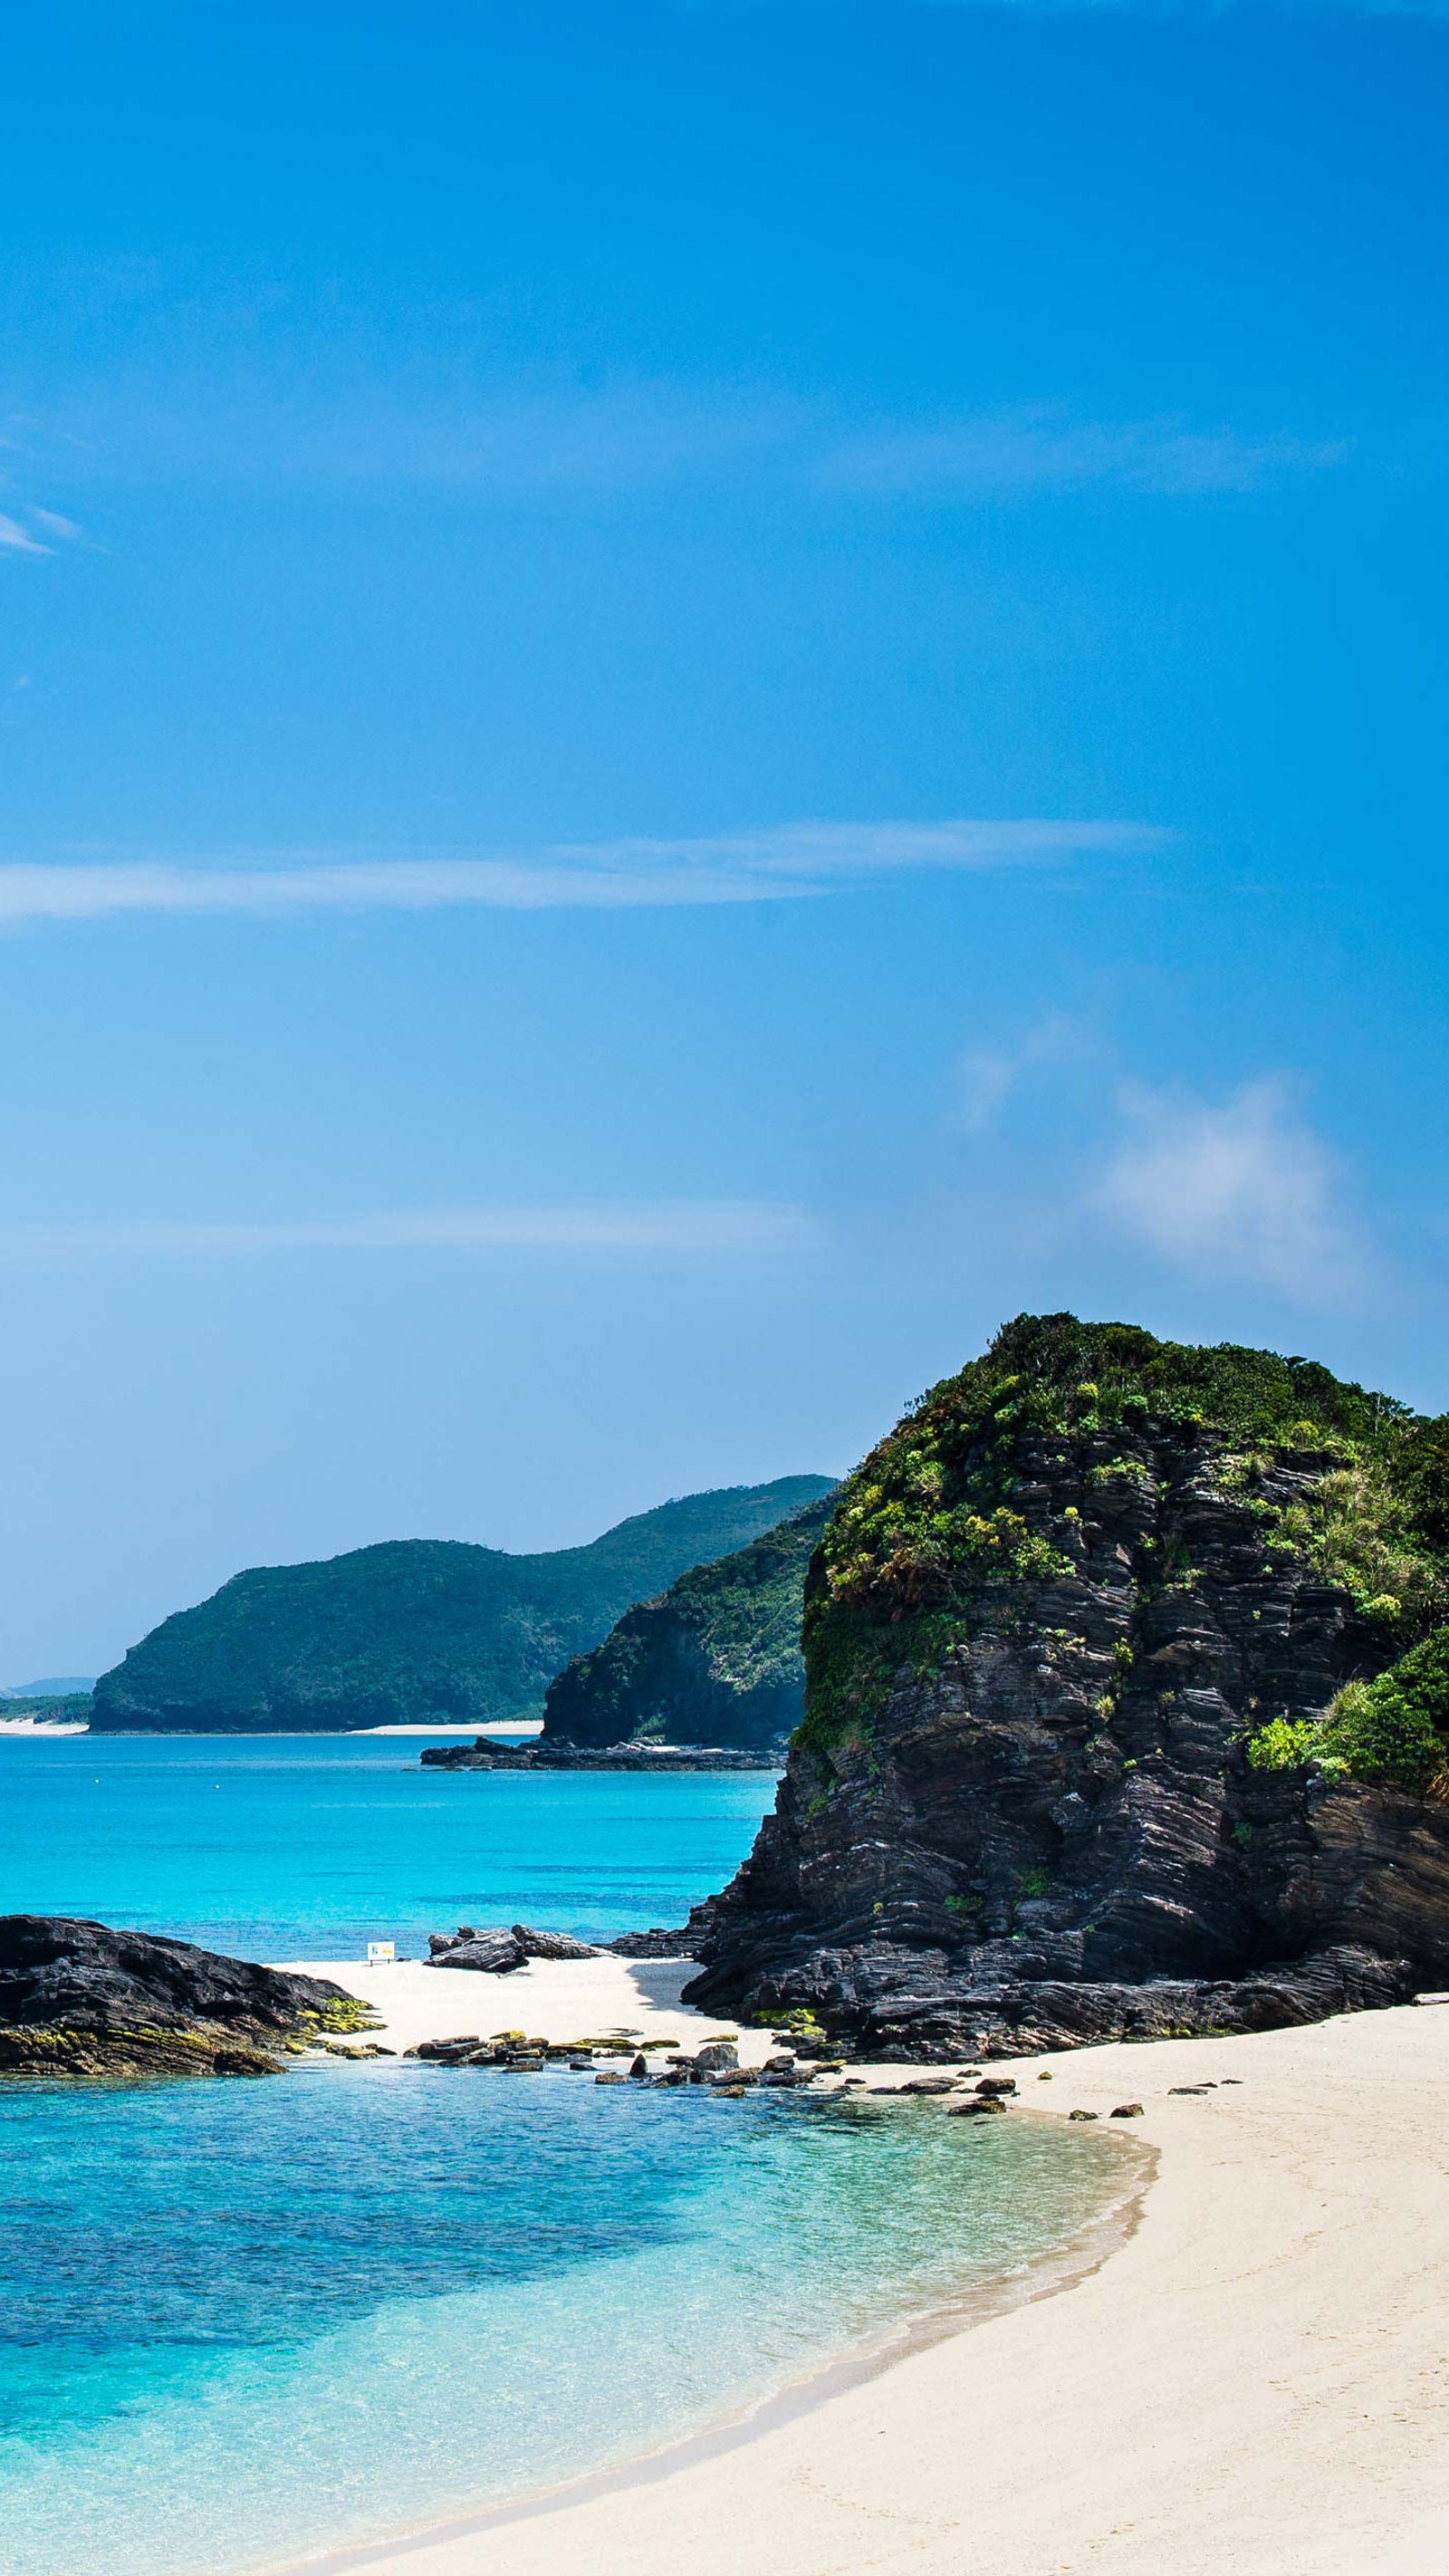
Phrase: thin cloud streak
pixel 515 440
pixel 692 1226
pixel 15 541
pixel 791 862
pixel 1039 450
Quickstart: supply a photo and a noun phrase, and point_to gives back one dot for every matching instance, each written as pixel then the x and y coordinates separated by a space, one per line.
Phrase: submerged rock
pixel 79 1999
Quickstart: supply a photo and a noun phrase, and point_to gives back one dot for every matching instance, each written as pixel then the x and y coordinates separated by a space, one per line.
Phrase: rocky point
pixel 1108 1647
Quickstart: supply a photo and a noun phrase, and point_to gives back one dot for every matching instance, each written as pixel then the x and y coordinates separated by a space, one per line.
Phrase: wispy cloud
pixel 793 861
pixel 15 541
pixel 18 540
pixel 986 1077
pixel 1241 1189
pixel 479 429
pixel 690 1226
pixel 295 420
pixel 1038 449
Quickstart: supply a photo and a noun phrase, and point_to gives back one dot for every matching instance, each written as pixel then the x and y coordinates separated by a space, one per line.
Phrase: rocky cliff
pixel 715 1660
pixel 1127 1710
pixel 417 1629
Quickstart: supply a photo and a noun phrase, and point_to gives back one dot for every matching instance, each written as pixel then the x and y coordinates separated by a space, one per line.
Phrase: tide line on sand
pixel 1251 2383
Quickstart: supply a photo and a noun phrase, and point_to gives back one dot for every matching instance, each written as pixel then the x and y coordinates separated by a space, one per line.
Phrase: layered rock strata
pixel 1051 1614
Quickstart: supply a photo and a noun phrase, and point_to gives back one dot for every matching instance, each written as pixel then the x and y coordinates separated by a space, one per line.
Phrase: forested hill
pixel 715 1660
pixel 416 1630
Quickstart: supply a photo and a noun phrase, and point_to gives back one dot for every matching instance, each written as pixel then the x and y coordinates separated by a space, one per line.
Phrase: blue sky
pixel 691 698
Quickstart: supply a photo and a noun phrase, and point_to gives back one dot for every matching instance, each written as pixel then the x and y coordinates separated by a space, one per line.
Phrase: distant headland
pixel 417 1630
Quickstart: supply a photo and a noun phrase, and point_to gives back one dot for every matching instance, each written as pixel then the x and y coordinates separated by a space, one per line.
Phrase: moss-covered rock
pixel 78 1999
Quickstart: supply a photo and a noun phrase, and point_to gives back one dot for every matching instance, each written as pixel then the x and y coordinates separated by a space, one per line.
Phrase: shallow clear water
pixel 307 1846
pixel 240 2322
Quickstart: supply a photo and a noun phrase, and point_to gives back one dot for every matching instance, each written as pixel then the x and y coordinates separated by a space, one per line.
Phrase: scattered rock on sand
pixel 495 1950
pixel 1126 2111
pixel 1082 2115
pixel 552 1945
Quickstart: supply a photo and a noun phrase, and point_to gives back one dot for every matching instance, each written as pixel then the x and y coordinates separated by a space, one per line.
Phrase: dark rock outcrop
pixel 79 1999
pixel 499 1948
pixel 713 1661
pixel 494 1950
pixel 1049 1615
pixel 654 1944
pixel 486 1755
pixel 553 1945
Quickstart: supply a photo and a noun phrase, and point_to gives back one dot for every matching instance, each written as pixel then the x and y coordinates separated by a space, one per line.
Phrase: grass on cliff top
pixel 924 1538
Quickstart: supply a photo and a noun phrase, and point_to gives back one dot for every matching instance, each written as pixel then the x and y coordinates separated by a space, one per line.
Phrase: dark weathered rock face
pixel 79 1999
pixel 1020 1811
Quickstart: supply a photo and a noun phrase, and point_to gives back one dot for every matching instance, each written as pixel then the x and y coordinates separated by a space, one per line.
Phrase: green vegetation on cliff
pixel 934 1536
pixel 1394 1729
pixel 715 1660
pixel 416 1630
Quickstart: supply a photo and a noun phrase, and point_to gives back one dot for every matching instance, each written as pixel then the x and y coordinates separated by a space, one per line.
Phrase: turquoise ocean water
pixel 243 2322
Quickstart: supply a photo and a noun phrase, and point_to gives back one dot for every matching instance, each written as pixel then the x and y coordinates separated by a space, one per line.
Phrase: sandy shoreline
pixel 1256 2380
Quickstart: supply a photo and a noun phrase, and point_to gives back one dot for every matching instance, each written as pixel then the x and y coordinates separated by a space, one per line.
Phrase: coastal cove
pixel 1251 2382
pixel 211 2349
pixel 214 2353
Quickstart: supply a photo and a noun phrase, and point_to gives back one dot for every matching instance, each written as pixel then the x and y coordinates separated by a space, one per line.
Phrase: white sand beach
pixel 1255 2381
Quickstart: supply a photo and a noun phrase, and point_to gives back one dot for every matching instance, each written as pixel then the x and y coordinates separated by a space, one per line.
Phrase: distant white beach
pixel 494 1726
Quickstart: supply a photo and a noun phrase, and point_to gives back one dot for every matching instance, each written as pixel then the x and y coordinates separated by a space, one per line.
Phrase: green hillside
pixel 715 1660
pixel 416 1630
